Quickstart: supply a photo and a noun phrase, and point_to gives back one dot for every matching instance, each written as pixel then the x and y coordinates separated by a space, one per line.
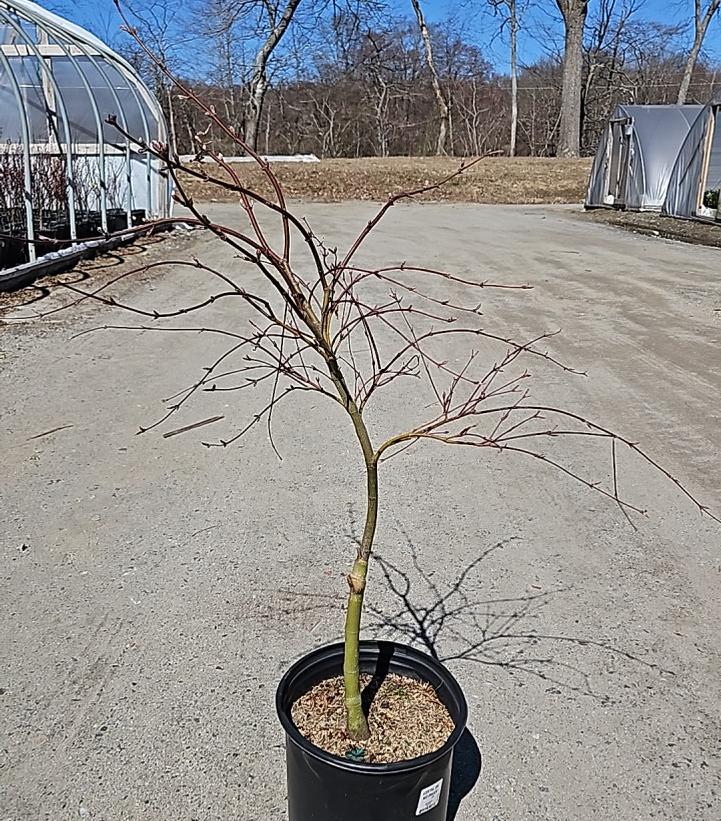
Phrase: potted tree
pixel 318 325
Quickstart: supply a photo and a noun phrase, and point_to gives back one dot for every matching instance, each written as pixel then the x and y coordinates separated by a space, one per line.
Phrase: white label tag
pixel 429 797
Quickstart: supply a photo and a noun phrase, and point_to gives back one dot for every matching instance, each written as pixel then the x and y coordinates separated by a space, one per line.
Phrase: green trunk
pixel 356 721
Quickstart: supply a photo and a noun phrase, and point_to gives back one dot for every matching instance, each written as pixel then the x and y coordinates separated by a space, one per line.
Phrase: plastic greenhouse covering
pixel 65 172
pixel 697 172
pixel 636 155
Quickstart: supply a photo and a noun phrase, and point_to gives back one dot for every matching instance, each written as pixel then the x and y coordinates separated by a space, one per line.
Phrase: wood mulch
pixel 406 720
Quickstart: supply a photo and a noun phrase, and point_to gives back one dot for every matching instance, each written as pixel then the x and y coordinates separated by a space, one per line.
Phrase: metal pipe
pixel 69 174
pixel 27 170
pixel 146 136
pixel 123 123
pixel 98 125
pixel 153 104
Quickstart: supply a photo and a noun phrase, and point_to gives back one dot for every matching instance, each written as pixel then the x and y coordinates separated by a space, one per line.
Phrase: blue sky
pixel 100 17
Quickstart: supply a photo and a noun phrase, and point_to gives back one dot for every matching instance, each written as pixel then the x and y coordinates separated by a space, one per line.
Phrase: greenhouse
pixel 693 191
pixel 636 155
pixel 66 173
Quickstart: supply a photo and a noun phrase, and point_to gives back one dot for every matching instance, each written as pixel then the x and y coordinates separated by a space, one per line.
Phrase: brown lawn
pixel 502 180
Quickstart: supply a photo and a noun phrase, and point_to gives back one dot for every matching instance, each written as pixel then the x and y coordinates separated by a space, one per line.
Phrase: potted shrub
pixel 709 204
pixel 317 327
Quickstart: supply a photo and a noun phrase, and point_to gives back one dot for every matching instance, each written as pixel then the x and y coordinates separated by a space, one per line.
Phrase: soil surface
pixel 656 225
pixel 153 591
pixel 493 180
pixel 100 271
pixel 406 720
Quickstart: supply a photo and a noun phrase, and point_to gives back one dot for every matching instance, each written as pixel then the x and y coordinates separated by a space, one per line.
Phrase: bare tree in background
pixel 444 110
pixel 574 14
pixel 156 20
pixel 234 26
pixel 279 21
pixel 511 18
pixel 702 20
pixel 350 78
pixel 610 32
pixel 513 25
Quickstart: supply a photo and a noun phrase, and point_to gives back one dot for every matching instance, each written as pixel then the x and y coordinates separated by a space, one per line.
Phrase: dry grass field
pixel 497 180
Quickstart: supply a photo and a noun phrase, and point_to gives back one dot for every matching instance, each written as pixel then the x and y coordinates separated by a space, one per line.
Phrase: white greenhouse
pixel 693 190
pixel 66 174
pixel 636 155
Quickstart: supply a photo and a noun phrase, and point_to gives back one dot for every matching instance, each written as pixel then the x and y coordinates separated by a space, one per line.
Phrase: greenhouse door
pixel 618 167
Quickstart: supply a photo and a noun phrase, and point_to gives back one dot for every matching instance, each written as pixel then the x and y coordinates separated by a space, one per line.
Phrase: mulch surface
pixel 406 720
pixel 501 180
pixel 640 222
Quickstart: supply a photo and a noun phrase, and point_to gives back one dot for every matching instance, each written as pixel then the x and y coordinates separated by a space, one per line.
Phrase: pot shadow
pixel 382 668
pixel 465 771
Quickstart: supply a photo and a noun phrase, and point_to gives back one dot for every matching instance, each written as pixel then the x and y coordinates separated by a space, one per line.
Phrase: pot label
pixel 429 797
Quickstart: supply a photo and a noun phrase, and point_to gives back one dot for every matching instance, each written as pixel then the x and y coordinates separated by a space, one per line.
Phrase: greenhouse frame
pixel 693 191
pixel 66 173
pixel 636 155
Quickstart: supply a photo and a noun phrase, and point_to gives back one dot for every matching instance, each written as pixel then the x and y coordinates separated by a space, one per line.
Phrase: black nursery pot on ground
pixel 322 787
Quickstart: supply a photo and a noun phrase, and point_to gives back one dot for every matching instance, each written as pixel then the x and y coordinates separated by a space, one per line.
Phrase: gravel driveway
pixel 152 590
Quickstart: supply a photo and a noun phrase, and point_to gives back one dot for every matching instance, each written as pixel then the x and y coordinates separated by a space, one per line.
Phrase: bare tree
pixel 235 28
pixel 324 322
pixel 444 111
pixel 610 31
pixel 279 19
pixel 701 21
pixel 351 78
pixel 513 33
pixel 574 14
pixel 157 22
pixel 511 19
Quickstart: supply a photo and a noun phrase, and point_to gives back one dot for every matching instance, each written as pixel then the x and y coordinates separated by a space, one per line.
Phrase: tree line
pixel 354 78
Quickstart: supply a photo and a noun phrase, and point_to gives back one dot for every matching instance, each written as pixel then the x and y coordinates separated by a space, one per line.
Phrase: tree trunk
pixel 688 70
pixel 357 721
pixel 253 110
pixel 513 20
pixel 172 135
pixel 574 18
pixel 702 21
pixel 258 84
pixel 443 109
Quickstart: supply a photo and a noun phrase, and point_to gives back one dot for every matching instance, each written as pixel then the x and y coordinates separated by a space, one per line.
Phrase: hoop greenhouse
pixel 66 173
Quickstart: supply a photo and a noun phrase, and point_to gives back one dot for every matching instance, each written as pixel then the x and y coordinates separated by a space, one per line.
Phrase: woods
pixel 371 78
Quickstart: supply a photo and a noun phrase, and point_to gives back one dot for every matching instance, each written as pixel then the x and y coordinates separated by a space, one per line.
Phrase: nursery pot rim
pixel 307 661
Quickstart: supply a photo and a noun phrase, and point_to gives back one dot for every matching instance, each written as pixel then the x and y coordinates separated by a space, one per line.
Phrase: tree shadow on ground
pixel 454 622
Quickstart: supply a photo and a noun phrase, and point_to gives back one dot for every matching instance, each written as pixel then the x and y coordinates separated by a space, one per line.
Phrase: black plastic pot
pixel 117 220
pixel 87 224
pixel 15 250
pixel 322 787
